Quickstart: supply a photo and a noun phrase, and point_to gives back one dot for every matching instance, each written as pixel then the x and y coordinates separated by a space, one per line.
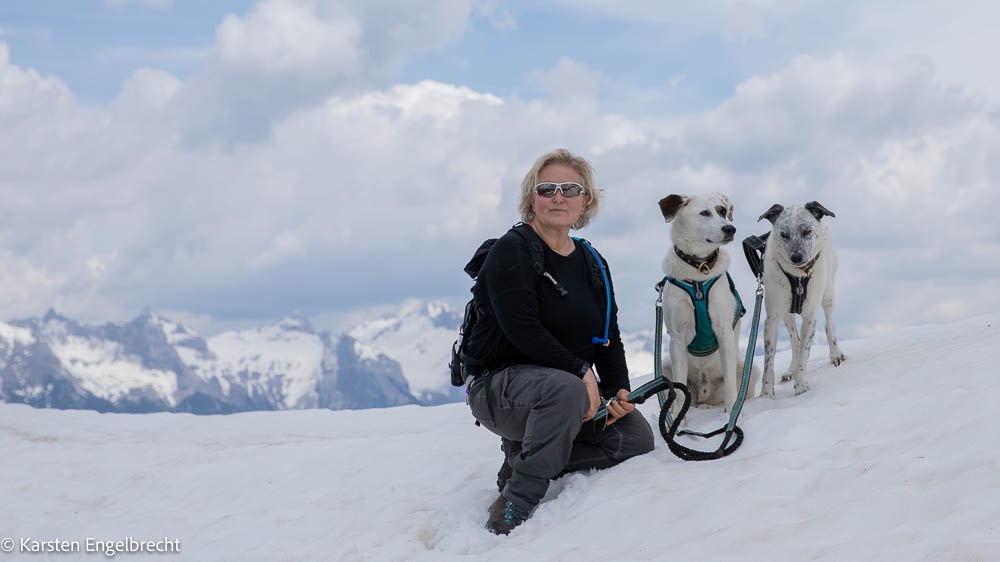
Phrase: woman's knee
pixel 569 391
pixel 637 435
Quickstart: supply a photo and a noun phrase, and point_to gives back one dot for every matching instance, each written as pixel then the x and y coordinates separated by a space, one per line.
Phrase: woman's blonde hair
pixel 582 167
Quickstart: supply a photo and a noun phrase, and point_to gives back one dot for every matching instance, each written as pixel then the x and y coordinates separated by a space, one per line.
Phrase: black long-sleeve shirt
pixel 526 320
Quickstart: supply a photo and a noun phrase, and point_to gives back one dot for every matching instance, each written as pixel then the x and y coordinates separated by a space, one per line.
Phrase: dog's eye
pixel 706 213
pixel 784 235
pixel 807 232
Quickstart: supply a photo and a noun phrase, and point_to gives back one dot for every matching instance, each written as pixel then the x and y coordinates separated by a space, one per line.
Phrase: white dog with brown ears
pixel 702 309
pixel 800 265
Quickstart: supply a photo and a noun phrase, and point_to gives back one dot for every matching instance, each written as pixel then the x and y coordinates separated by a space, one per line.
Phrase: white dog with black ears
pixel 800 265
pixel 702 309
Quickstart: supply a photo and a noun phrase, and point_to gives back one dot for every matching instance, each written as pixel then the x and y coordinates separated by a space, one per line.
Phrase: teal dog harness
pixel 705 342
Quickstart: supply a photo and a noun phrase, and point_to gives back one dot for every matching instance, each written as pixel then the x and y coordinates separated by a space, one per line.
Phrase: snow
pixel 295 356
pixel 176 334
pixel 366 352
pixel 891 456
pixel 14 335
pixel 104 369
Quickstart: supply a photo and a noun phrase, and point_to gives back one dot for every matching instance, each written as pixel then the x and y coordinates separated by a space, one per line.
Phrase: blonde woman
pixel 542 333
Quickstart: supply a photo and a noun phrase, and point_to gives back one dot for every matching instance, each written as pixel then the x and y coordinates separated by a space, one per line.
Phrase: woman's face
pixel 558 211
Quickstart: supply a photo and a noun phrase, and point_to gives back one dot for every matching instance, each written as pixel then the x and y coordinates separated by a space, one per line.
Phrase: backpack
pixel 461 361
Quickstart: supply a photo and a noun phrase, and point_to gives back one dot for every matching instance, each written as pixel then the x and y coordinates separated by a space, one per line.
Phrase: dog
pixel 800 265
pixel 697 288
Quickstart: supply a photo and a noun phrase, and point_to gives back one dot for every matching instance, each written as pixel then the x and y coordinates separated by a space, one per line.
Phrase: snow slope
pixel 892 456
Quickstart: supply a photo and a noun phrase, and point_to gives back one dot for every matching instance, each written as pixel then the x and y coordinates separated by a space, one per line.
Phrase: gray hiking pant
pixel 542 408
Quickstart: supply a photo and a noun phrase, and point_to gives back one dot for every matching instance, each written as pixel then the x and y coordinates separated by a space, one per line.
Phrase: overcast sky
pixel 230 162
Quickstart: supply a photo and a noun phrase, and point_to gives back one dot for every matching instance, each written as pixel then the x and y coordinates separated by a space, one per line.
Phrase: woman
pixel 535 342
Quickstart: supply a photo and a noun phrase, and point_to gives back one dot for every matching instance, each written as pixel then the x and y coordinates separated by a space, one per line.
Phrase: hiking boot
pixel 510 449
pixel 504 516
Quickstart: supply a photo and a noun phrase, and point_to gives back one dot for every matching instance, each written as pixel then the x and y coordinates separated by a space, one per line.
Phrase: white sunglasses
pixel 569 189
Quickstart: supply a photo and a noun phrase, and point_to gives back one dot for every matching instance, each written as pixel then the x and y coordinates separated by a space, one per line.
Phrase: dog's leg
pixel 794 339
pixel 770 341
pixel 678 367
pixel 836 355
pixel 809 319
pixel 729 355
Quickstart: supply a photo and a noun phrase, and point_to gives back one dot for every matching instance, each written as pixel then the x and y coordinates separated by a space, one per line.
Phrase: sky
pixel 881 460
pixel 228 163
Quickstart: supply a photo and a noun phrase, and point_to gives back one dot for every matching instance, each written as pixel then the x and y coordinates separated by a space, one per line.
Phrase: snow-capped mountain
pixel 153 364
pixel 419 337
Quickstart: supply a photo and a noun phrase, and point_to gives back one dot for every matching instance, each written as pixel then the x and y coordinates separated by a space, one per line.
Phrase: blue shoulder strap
pixel 607 292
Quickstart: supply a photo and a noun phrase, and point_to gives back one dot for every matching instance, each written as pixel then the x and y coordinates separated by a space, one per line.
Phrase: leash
pixel 666 390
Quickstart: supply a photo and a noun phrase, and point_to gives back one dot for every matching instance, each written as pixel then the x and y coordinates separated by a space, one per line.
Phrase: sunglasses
pixel 568 189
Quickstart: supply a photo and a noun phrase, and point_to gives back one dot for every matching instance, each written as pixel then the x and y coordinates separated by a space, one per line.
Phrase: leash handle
pixel 753 249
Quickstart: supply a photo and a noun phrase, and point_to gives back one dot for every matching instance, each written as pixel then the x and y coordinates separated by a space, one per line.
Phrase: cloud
pixel 286 55
pixel 289 37
pixel 956 37
pixel 497 15
pixel 904 160
pixel 147 92
pixel 292 175
pixel 569 80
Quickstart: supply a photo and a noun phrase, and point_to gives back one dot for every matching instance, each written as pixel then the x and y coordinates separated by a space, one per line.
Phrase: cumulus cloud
pixel 956 37
pixel 904 160
pixel 286 55
pixel 299 176
pixel 282 36
pixel 146 92
pixel 569 80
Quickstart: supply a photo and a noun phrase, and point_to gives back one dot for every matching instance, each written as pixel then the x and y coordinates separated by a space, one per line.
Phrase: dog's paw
pixel 787 377
pixel 800 388
pixel 701 406
pixel 837 357
pixel 767 392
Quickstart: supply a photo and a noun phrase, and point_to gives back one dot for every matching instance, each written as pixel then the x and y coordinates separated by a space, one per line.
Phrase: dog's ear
pixel 772 213
pixel 729 207
pixel 818 210
pixel 670 204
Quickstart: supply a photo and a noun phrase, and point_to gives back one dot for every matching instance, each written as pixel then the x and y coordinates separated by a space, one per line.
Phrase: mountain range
pixel 153 364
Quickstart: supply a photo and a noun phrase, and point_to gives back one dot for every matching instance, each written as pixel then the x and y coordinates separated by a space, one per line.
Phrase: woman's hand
pixel 619 406
pixel 590 381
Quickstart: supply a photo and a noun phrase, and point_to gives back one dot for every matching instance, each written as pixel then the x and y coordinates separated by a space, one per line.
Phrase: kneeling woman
pixel 535 344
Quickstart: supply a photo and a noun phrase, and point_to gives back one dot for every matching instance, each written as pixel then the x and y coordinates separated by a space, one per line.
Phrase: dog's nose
pixel 729 229
pixel 796 258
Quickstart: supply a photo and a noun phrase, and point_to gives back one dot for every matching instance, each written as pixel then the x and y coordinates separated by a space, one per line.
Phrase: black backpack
pixel 461 361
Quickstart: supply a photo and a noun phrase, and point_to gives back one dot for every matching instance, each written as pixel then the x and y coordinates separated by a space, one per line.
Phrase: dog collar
pixel 799 285
pixel 807 268
pixel 704 265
